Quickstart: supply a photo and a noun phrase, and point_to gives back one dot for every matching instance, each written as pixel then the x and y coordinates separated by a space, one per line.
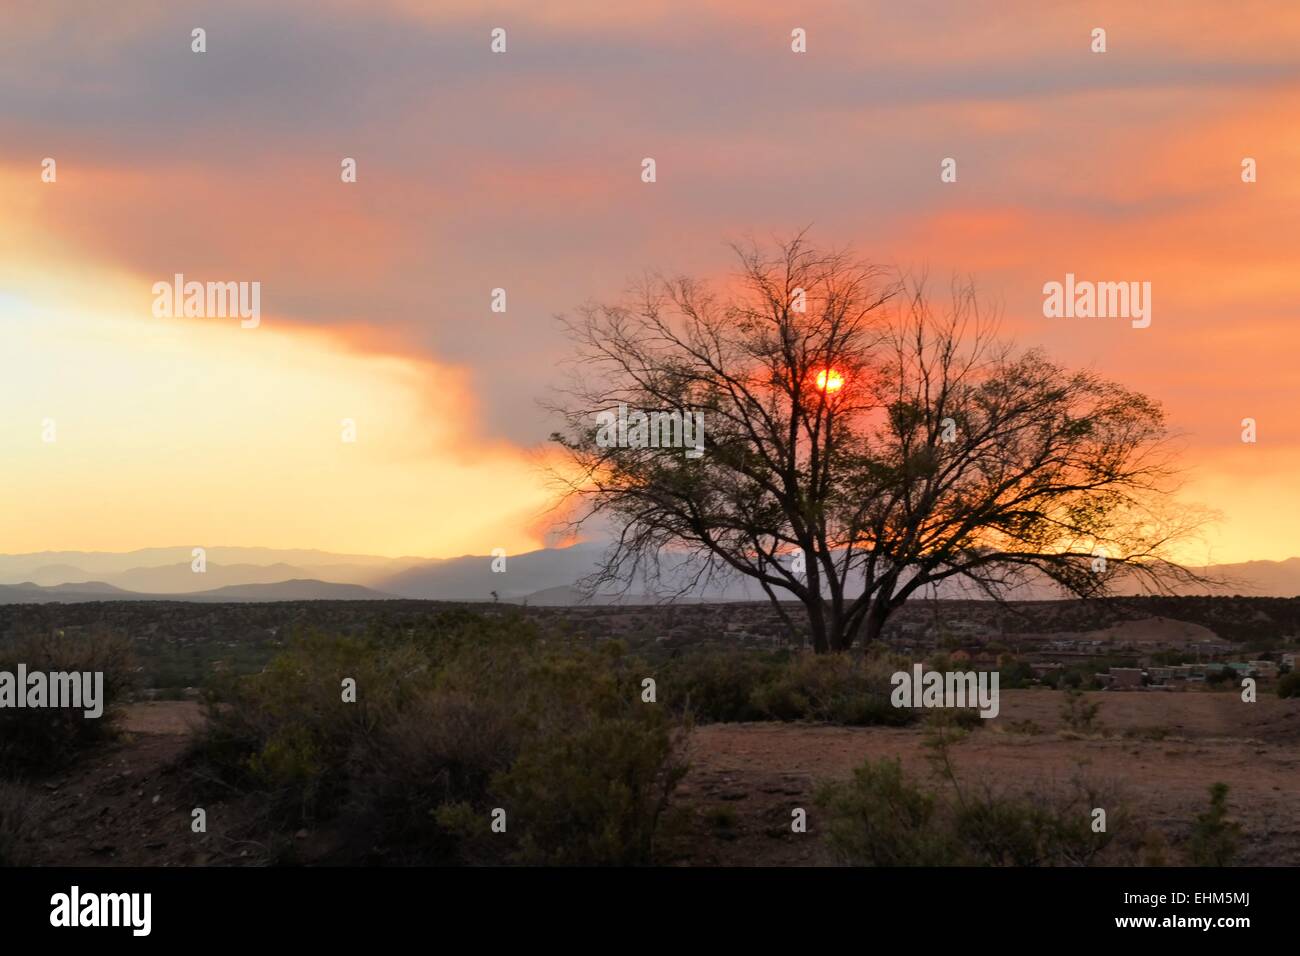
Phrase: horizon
pixel 413 557
pixel 555 581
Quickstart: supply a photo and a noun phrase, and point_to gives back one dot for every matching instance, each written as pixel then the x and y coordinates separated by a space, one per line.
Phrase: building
pixel 1264 669
pixel 1174 673
pixel 1122 678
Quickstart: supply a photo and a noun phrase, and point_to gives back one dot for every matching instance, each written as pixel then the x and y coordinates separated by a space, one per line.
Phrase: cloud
pixel 521 171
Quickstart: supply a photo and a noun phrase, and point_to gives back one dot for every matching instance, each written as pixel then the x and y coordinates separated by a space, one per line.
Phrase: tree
pixel 860 446
pixel 1215 838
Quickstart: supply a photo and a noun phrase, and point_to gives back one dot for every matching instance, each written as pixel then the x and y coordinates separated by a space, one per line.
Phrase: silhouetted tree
pixel 859 446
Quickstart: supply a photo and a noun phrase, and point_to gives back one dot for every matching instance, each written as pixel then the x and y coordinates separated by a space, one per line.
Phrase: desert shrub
pixel 1078 713
pixel 441 751
pixel 1288 684
pixel 42 739
pixel 879 819
pixel 17 825
pixel 593 795
pixel 286 732
pixel 1043 829
pixel 717 684
pixel 1015 675
pixel 559 739
pixel 731 684
pixel 1215 838
pixel 450 723
pixel 839 688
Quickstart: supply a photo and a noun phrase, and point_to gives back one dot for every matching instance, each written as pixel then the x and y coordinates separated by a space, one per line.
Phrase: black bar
pixel 328 906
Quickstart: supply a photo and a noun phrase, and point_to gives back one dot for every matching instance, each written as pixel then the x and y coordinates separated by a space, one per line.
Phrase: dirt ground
pixel 745 779
pixel 130 805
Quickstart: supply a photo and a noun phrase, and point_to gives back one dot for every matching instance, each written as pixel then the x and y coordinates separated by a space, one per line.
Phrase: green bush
pixel 1289 684
pixel 839 688
pixel 1078 713
pixel 1215 839
pixel 451 723
pixel 878 818
pixel 569 814
pixel 1015 675
pixel 730 684
pixel 42 739
pixel 1039 830
pixel 717 684
pixel 286 732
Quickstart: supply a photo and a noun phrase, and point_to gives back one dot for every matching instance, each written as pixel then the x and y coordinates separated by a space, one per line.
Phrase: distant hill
pixel 48 575
pixel 86 587
pixel 1153 630
pixel 548 576
pixel 294 590
pixel 471 578
pixel 29 593
pixel 65 567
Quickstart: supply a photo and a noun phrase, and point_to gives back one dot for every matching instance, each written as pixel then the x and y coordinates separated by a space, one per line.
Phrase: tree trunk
pixel 818 626
pixel 877 614
pixel 841 637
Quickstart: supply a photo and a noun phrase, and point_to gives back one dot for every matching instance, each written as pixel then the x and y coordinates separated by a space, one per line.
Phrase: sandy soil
pixel 745 779
pixel 130 805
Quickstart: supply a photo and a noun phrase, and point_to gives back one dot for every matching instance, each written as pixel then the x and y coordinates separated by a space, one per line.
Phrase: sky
pixel 522 170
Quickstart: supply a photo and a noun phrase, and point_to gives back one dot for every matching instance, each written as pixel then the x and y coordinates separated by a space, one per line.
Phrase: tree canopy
pixel 860 444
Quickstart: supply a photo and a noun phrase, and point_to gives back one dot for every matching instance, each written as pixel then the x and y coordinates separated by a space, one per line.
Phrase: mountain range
pixel 544 577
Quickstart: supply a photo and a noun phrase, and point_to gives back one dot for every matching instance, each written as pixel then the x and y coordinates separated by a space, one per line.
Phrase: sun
pixel 830 380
